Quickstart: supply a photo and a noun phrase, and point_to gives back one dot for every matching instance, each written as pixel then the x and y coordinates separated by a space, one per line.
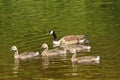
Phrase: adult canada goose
pixel 70 39
pixel 24 55
pixel 52 52
pixel 83 59
pixel 77 47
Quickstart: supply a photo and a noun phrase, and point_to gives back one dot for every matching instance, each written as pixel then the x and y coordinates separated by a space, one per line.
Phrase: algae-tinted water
pixel 24 23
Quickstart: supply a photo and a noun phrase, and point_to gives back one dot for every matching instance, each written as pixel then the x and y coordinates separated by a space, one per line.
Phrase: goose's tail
pixel 37 53
pixel 89 47
pixel 98 58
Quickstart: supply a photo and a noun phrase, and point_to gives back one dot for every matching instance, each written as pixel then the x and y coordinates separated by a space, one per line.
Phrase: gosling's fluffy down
pixel 83 59
pixel 77 47
pixel 52 52
pixel 24 55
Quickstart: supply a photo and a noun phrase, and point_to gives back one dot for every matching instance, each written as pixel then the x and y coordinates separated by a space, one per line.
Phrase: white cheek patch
pixel 51 32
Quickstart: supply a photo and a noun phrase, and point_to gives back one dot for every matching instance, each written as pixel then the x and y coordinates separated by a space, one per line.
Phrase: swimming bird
pixel 52 52
pixel 83 59
pixel 77 47
pixel 70 39
pixel 24 55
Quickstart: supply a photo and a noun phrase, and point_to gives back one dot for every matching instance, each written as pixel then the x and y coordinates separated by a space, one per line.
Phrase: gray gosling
pixel 77 47
pixel 52 52
pixel 24 55
pixel 83 59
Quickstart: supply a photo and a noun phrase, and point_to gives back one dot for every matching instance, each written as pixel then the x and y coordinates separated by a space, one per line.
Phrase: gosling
pixel 24 55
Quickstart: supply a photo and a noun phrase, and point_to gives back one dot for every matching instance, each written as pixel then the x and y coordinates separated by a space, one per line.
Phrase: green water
pixel 24 23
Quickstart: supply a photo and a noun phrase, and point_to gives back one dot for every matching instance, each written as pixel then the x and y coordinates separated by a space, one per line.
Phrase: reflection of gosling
pixel 52 52
pixel 83 59
pixel 70 39
pixel 24 55
pixel 77 47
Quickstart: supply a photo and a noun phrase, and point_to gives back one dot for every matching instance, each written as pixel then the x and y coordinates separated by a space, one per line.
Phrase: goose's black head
pixel 51 32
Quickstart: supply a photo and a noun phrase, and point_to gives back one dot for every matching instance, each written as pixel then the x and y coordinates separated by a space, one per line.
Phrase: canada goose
pixel 70 39
pixel 77 47
pixel 83 59
pixel 23 55
pixel 52 52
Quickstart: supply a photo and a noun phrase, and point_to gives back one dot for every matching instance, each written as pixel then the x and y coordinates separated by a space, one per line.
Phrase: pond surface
pixel 24 23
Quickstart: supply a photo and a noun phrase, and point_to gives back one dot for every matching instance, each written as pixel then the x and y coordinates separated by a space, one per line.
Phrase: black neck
pixel 54 36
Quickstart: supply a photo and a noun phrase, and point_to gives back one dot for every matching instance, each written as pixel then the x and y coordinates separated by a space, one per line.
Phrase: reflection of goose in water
pixel 16 65
pixel 70 39
pixel 52 52
pixel 77 47
pixel 24 55
pixel 17 60
pixel 85 63
pixel 84 59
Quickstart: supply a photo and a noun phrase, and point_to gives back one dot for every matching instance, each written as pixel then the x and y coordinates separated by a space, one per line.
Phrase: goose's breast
pixel 56 42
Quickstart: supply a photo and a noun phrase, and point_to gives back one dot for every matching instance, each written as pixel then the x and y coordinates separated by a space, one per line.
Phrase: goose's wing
pixel 73 39
pixel 81 37
pixel 70 37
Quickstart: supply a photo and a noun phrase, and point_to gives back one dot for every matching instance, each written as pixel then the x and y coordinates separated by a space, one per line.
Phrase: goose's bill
pixel 48 33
